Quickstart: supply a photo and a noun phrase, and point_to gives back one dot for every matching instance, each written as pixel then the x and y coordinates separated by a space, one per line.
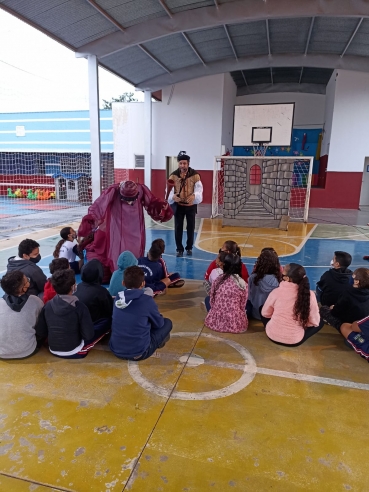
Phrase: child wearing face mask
pixel 335 281
pixel 26 261
pixel 67 248
pixel 66 321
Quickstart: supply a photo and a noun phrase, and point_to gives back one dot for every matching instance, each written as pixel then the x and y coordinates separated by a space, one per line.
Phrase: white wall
pixel 349 144
pixel 189 118
pixel 309 108
pixel 128 133
pixel 328 116
pixel 229 99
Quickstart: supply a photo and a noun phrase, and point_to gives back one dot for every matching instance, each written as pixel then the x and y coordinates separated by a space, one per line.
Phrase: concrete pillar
pixel 93 87
pixel 148 137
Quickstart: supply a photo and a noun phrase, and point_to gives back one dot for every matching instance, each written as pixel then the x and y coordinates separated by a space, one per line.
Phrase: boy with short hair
pixel 138 328
pixel 26 262
pixel 18 313
pixel 56 264
pixel 155 269
pixel 335 281
pixel 66 321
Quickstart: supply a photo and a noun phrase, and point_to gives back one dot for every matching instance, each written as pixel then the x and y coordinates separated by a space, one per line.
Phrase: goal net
pixel 47 188
pixel 265 175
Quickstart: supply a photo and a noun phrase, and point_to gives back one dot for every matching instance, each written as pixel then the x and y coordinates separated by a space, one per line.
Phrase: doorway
pixel 364 195
pixel 171 164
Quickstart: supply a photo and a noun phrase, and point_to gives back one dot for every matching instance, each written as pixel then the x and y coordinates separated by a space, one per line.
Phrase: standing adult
pixel 116 219
pixel 184 198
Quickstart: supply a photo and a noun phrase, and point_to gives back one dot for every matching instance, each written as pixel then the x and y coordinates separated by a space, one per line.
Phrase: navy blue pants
pixel 159 336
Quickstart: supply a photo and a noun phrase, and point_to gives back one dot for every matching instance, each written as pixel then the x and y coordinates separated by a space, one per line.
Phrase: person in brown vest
pixel 184 198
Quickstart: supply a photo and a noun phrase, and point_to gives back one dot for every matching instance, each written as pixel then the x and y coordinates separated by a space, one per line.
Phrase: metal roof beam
pixel 271 75
pixel 355 63
pixel 154 58
pixel 194 49
pixel 230 41
pixel 166 8
pixel 302 69
pixel 283 87
pixel 216 4
pixel 268 37
pixel 244 78
pixel 235 12
pixel 352 36
pixel 107 16
pixel 309 35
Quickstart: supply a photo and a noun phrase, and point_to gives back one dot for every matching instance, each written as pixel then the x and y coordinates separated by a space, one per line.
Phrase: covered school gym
pixel 211 411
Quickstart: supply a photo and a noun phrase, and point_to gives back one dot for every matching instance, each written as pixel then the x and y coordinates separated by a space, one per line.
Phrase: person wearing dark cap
pixel 184 197
pixel 116 219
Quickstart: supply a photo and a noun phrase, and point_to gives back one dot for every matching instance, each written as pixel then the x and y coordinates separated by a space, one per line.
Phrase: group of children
pixel 281 298
pixel 72 318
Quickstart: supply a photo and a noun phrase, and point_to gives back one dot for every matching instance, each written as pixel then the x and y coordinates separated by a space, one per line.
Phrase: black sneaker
pixel 189 252
pixel 179 254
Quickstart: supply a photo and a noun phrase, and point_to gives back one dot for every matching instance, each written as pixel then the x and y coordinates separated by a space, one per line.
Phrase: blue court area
pixel 22 206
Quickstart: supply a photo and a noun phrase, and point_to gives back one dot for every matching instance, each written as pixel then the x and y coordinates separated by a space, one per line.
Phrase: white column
pixel 148 137
pixel 93 87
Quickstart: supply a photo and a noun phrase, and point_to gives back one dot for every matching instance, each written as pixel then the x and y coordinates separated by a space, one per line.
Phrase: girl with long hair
pixel 228 247
pixel 68 248
pixel 266 277
pixel 291 313
pixel 228 298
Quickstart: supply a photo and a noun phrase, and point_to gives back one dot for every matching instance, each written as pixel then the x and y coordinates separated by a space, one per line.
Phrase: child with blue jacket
pixel 138 328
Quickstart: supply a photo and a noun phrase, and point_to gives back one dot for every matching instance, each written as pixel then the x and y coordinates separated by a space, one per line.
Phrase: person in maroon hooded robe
pixel 116 220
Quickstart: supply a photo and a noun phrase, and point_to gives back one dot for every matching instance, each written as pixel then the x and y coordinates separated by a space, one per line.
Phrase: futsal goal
pixel 263 175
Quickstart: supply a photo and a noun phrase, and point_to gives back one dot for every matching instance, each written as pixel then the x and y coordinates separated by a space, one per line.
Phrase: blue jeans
pixel 207 303
pixel 159 336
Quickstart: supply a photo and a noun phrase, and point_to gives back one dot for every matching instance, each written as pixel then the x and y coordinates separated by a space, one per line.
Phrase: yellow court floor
pixel 211 412
pixel 212 234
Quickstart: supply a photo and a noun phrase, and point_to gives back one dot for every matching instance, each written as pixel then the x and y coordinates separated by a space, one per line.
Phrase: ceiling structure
pixel 266 45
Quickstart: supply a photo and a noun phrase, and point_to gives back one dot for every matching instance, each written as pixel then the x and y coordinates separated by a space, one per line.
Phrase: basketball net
pixel 260 150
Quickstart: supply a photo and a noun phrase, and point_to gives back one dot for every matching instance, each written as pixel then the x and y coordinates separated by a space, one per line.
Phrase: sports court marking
pixel 249 370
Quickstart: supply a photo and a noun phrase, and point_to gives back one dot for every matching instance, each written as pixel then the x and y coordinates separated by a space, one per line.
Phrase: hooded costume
pixel 90 291
pixel 125 260
pixel 117 220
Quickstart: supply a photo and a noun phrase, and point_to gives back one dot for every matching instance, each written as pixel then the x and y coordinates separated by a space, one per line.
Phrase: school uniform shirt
pixel 135 314
pixel 213 266
pixel 67 250
pixel 279 305
pixel 154 272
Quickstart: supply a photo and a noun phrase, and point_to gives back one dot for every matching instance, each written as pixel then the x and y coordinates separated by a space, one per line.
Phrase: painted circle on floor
pixel 248 374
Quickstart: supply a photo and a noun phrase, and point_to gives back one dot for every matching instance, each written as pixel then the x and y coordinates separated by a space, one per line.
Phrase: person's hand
pixel 190 199
pixel 176 198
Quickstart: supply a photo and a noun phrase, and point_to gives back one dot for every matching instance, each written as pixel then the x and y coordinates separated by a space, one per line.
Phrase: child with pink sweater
pixel 291 313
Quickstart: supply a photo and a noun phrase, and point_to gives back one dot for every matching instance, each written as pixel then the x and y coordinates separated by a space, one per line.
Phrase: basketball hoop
pixel 260 149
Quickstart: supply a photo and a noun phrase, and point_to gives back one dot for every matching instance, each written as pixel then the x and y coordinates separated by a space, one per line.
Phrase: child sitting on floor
pixel 155 269
pixel 18 313
pixel 138 328
pixel 357 335
pixel 291 313
pixel 56 264
pixel 94 296
pixel 66 321
pixel 265 278
pixel 352 305
pixel 125 260
pixel 68 248
pixel 335 281
pixel 227 301
pixel 228 247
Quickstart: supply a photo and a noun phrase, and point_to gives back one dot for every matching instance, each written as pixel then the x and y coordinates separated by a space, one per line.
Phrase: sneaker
pixel 179 254
pixel 189 252
pixel 366 258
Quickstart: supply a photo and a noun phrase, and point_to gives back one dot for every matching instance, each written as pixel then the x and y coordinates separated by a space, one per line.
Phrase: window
pixel 255 175
pixel 71 185
pixel 139 161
